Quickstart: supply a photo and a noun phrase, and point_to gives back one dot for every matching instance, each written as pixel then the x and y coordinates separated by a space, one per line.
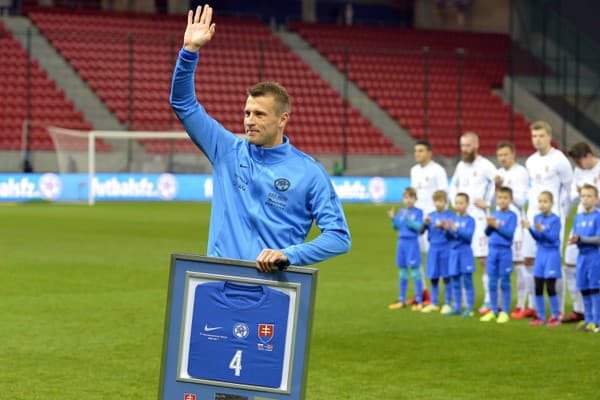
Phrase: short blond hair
pixel 541 125
pixel 440 195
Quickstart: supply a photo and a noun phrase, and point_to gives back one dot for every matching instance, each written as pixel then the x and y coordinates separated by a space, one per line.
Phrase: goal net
pixel 93 152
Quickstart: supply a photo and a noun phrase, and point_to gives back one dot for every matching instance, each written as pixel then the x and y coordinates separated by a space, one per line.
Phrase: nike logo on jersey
pixel 207 329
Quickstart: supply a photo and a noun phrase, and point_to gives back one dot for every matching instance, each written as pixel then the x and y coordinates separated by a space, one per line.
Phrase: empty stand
pixel 47 104
pixel 128 60
pixel 425 83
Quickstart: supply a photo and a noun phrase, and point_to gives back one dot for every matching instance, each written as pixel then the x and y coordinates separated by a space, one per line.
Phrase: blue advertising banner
pixel 169 187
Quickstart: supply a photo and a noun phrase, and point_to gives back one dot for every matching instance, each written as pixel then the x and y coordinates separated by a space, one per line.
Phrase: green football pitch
pixel 84 292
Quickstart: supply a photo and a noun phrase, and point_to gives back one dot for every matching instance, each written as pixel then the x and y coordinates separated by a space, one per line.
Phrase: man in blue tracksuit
pixel 266 193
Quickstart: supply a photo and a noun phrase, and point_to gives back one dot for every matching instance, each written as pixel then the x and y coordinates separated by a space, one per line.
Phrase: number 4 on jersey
pixel 236 362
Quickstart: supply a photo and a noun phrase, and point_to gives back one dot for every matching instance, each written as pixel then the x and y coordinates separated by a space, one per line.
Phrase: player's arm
pixel 565 173
pixel 442 179
pixel 453 188
pixel 490 190
pixel 207 134
pixel 520 188
pixel 328 215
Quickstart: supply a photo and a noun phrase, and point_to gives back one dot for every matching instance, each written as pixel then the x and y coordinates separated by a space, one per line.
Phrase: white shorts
pixel 517 244
pixel 479 244
pixel 571 252
pixel 423 243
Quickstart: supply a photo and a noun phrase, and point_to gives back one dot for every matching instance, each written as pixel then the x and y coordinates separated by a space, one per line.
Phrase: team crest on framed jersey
pixel 233 332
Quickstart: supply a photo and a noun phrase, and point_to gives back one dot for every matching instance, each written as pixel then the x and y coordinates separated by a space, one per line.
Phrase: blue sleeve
pixel 328 215
pixel 210 136
pixel 535 234
pixel 553 234
pixel 489 230
pixel 508 230
pixel 466 233
pixel 395 225
pixel 417 224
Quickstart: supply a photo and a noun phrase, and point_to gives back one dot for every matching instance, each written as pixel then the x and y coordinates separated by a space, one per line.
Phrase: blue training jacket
pixel 262 197
pixel 503 235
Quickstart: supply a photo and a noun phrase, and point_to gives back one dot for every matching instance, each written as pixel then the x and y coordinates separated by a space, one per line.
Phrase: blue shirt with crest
pixel 503 235
pixel 587 225
pixel 549 237
pixel 436 234
pixel 465 227
pixel 408 222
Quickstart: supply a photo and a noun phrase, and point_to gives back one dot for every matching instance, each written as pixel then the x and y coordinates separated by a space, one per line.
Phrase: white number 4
pixel 236 362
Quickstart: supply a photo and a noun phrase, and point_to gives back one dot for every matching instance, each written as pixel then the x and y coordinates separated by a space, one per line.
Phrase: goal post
pixel 130 151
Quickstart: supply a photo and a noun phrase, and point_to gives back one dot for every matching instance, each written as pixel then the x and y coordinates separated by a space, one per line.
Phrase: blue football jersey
pixel 238 333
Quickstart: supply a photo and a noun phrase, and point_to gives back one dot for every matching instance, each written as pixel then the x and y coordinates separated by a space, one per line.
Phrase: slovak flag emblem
pixel 265 332
pixel 189 396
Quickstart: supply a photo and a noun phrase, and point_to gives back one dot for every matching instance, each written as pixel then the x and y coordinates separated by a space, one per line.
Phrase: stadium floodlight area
pixel 124 151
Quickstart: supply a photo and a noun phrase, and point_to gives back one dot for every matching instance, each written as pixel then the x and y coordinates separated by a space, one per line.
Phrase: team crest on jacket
pixel 240 330
pixel 281 184
pixel 265 332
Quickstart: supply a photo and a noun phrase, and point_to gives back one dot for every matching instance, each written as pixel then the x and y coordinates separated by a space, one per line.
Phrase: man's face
pixel 541 140
pixel 262 123
pixel 422 154
pixel 506 157
pixel 468 149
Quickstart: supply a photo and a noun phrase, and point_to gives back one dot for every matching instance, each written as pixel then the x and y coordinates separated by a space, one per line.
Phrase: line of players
pixel 546 179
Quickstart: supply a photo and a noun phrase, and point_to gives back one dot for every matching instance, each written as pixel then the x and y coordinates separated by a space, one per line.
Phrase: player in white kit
pixel 515 176
pixel 427 177
pixel 587 170
pixel 474 175
pixel 549 170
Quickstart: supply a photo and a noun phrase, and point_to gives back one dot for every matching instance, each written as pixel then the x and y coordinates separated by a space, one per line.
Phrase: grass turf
pixel 84 292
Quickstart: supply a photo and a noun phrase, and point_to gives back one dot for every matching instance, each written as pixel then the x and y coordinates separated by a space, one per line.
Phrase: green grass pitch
pixel 84 292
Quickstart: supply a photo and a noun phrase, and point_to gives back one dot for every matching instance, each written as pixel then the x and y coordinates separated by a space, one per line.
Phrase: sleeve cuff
pixel 188 55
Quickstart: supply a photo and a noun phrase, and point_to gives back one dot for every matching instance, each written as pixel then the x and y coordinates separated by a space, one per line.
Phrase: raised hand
pixel 427 220
pixel 452 225
pixel 391 212
pixel 525 224
pixel 199 30
pixel 491 221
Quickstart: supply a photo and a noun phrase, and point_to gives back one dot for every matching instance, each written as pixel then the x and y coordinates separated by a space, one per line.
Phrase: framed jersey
pixel 235 333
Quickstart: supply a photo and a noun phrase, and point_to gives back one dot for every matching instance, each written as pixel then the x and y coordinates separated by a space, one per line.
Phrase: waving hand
pixel 199 30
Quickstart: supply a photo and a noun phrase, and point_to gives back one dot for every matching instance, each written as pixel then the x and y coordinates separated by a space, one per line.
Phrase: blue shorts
pixel 588 271
pixel 461 261
pixel 437 262
pixel 408 253
pixel 499 261
pixel 547 264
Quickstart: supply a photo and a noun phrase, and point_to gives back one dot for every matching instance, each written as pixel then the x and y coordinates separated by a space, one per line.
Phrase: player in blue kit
pixel 438 252
pixel 547 267
pixel 586 234
pixel 461 263
pixel 266 193
pixel 408 222
pixel 238 333
pixel 501 225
